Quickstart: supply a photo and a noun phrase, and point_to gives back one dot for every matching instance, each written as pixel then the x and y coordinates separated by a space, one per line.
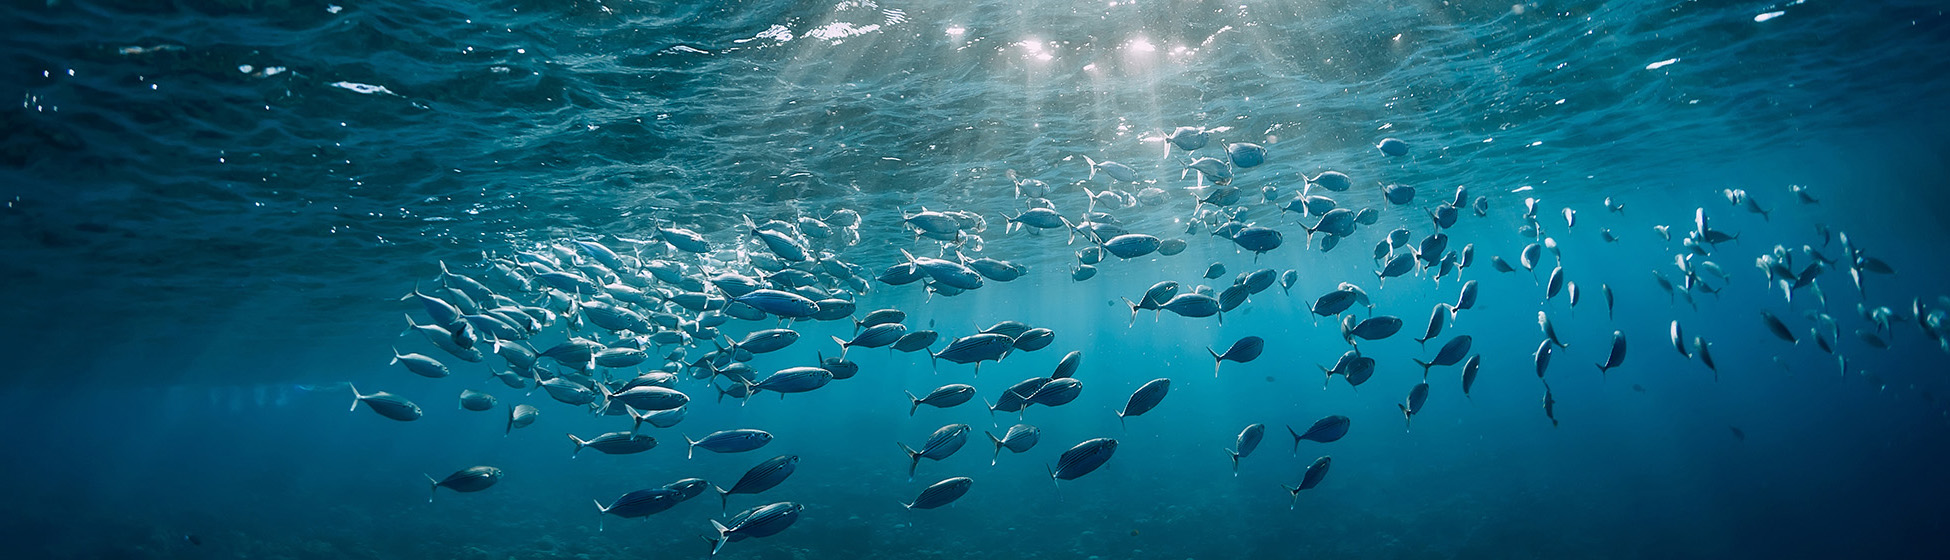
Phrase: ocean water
pixel 213 208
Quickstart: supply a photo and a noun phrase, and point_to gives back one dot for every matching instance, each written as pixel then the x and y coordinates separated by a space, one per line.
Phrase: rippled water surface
pixel 212 209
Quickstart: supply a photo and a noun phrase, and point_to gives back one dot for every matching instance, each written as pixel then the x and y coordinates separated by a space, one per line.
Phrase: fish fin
pixel 1425 367
pixel 579 445
pixel 431 491
pixel 1093 167
pixel 717 544
pixel 692 451
pixel 1295 490
pixel 356 397
pixel 916 405
pixel 1235 461
pixel 724 499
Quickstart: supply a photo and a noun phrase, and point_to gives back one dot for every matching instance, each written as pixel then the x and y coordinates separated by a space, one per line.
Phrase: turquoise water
pixel 213 208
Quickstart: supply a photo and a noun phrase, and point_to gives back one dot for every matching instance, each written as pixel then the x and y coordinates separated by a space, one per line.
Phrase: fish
pixel 1416 397
pixel 793 380
pixel 1083 459
pixel 475 400
pixel 1311 478
pixel 1145 398
pixel 1392 147
pixel 1550 404
pixel 729 441
pixel 945 396
pixel 1258 239
pixel 1244 350
pixel 471 479
pixel 420 364
pixel 1555 284
pixel 1617 355
pixel 1543 357
pixel 615 443
pixel 941 493
pixel 1248 440
pixel 1700 349
pixel 1499 264
pixel 386 404
pixel 1550 332
pixel 1465 300
pixel 976 348
pixel 1034 339
pixel 1400 265
pixel 1531 253
pixel 1333 303
pixel 944 442
pixel 1019 439
pixel 1605 289
pixel 781 303
pixel 520 416
pixel 761 477
pixel 1779 328
pixel 1440 316
pixel 1332 180
pixel 1679 341
pixel 641 503
pixel 916 341
pixel 1325 430
pixel 1398 194
pixel 1451 353
pixel 1057 392
pixel 1112 169
pixel 1372 328
pixel 1469 373
pixel 1215 270
pixel 876 336
pixel 762 521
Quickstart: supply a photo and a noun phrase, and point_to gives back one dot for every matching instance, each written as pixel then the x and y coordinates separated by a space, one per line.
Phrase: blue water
pixel 212 208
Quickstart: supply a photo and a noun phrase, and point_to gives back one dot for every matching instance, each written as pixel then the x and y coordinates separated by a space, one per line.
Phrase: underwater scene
pixel 294 279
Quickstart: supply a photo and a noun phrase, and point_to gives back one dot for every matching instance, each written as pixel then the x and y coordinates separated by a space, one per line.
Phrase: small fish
pixel 1083 459
pixel 943 443
pixel 471 479
pixel 1416 397
pixel 1543 357
pixel 1705 357
pixel 941 493
pixel 945 396
pixel 761 477
pixel 1779 328
pixel 1737 434
pixel 1325 430
pixel 1248 440
pixel 1451 353
pixel 1617 355
pixel 1550 405
pixel 729 441
pixel 1145 398
pixel 1315 472
pixel 1019 439
pixel 1244 350
pixel 1469 373
pixel 386 404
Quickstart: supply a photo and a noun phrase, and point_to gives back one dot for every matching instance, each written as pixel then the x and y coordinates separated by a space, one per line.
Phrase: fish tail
pixel 1296 440
pixel 916 405
pixel 396 356
pixel 432 490
pixel 844 346
pixel 1235 461
pixel 1120 420
pixel 356 397
pixel 724 499
pixel 717 544
pixel 998 447
pixel 1425 367
pixel 1216 360
pixel 579 445
pixel 1093 167
pixel 692 451
pixel 1134 309
pixel 1295 490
